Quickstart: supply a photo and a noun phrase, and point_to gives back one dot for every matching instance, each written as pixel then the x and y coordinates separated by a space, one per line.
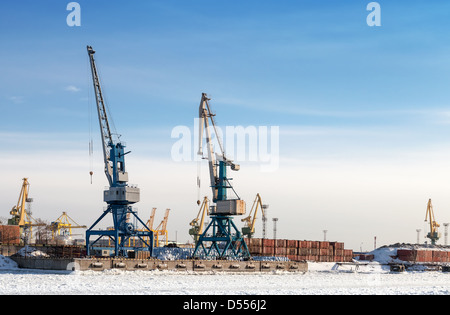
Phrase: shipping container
pixel 267 250
pixel 406 254
pixel 293 257
pixel 254 241
pixel 304 251
pixel 266 242
pixel 291 251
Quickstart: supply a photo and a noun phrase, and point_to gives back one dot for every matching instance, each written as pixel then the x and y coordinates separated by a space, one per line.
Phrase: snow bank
pixel 7 263
pixel 28 251
pixel 385 255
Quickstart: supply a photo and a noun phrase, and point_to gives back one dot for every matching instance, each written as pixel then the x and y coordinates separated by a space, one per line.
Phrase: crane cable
pixel 199 174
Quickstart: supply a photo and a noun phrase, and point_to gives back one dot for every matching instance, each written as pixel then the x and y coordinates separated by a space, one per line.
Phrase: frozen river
pixel 321 279
pixel 18 282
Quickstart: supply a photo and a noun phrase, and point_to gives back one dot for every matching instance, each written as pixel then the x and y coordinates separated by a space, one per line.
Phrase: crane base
pixel 221 239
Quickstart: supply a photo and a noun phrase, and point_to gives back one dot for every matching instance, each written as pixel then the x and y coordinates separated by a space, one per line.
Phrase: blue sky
pixel 343 93
pixel 314 62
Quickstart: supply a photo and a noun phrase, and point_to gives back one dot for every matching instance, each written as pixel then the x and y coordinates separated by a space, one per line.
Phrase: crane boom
pixel 152 219
pixel 105 130
pixel 204 114
pixel 218 164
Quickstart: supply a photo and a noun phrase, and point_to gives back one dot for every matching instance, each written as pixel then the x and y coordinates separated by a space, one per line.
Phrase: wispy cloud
pixel 72 88
pixel 16 99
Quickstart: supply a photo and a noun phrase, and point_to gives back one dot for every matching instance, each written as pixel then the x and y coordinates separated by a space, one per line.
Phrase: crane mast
pixel 119 196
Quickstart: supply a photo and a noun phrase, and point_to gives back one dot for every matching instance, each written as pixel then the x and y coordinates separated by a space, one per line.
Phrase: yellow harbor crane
pixel 19 213
pixel 151 220
pixel 161 231
pixel 21 216
pixel 149 224
pixel 249 229
pixel 434 235
pixel 64 225
pixel 197 227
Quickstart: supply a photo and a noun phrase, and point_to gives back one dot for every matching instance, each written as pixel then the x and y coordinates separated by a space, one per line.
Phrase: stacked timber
pixel 9 234
pixel 318 251
pixel 424 255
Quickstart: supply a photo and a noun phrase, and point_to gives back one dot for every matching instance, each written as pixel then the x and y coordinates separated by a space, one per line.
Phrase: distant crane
pixel 152 219
pixel 221 235
pixel 161 231
pixel 249 229
pixel 21 216
pixel 19 213
pixel 197 224
pixel 64 225
pixel 433 235
pixel 119 196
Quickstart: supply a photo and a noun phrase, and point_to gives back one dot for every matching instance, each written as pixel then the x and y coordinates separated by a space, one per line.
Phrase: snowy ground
pixel 323 278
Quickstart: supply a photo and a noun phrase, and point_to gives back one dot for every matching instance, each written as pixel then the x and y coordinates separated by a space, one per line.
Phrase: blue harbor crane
pixel 221 239
pixel 119 196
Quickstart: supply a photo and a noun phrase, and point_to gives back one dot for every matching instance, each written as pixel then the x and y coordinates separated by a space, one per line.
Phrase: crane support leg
pixel 121 233
pixel 224 240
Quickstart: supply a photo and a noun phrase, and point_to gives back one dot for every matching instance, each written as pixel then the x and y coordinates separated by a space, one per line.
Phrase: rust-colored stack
pixel 300 250
pixel 369 257
pixel 424 255
pixel 10 234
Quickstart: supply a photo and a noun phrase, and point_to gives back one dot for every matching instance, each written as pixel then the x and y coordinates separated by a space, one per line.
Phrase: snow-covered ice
pixel 321 279
pixel 173 283
pixel 7 263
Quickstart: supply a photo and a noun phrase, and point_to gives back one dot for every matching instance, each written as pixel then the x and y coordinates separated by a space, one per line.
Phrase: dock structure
pixel 101 264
